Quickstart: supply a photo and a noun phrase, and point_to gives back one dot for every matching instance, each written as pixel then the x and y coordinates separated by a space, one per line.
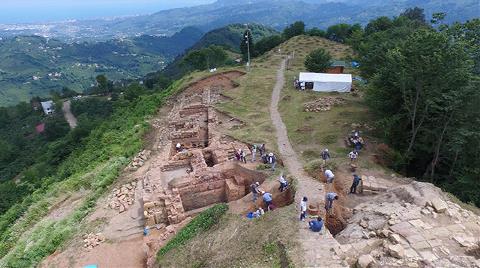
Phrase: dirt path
pixel 72 121
pixel 317 248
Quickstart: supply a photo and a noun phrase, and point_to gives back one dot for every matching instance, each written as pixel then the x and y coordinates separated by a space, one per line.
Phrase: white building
pixel 48 107
pixel 323 82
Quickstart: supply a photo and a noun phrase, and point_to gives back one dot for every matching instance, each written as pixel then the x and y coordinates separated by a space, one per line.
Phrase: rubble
pixel 139 160
pixel 409 231
pixel 122 198
pixel 323 104
pixel 365 261
pixel 92 240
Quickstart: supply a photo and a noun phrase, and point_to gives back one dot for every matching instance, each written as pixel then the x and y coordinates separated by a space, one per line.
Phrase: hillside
pixel 273 13
pixel 123 194
pixel 33 66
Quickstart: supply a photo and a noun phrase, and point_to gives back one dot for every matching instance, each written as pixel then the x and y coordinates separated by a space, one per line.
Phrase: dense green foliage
pixel 295 29
pixel 92 166
pixel 424 90
pixel 26 155
pixel 201 223
pixel 318 61
pixel 206 58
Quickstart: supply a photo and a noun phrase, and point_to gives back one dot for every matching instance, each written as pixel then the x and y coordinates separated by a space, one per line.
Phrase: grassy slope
pixel 239 242
pixel 26 241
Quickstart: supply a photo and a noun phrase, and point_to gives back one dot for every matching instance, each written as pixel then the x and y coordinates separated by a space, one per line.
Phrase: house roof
pixel 338 63
pixel 323 77
pixel 47 105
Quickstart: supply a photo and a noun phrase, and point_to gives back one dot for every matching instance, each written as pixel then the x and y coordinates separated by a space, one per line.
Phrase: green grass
pixel 25 241
pixel 201 223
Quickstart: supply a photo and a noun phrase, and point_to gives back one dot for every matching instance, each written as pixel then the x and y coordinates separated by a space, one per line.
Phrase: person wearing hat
pixel 254 188
pixel 325 156
pixel 178 147
pixel 272 160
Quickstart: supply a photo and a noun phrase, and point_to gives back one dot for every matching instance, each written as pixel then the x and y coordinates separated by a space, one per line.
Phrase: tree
pixel 268 43
pixel 318 61
pixel 316 32
pixel 247 45
pixel 102 83
pixel 205 58
pixel 378 25
pixel 339 32
pixel 415 14
pixel 297 28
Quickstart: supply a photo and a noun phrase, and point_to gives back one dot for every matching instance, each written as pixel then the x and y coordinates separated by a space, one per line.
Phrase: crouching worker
pixel 316 225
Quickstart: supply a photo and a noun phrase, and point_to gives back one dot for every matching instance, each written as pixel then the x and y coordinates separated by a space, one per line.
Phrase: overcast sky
pixel 15 11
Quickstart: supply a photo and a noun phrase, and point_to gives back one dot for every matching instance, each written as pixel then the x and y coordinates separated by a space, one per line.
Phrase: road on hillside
pixel 72 121
pixel 317 249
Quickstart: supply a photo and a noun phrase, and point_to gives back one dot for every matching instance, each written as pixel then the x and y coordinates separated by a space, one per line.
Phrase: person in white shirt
pixel 330 176
pixel 283 183
pixel 303 208
pixel 353 156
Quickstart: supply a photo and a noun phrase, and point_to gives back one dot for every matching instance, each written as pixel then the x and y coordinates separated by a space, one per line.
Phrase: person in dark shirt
pixel 316 225
pixel 356 182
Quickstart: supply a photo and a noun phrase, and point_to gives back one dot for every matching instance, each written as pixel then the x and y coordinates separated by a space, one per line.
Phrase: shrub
pixel 318 61
pixel 199 224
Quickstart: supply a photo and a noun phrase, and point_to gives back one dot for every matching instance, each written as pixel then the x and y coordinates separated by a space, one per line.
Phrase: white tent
pixel 326 82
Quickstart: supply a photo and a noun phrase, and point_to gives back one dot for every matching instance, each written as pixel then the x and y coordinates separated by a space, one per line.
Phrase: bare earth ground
pixel 72 121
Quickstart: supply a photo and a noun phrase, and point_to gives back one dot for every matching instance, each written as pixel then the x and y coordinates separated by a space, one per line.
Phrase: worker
pixel 330 176
pixel 254 152
pixel 267 199
pixel 329 198
pixel 303 208
pixel 316 225
pixel 178 147
pixel 355 183
pixel 244 157
pixel 283 183
pixel 255 189
pixel 272 160
pixel 262 149
pixel 353 156
pixel 325 156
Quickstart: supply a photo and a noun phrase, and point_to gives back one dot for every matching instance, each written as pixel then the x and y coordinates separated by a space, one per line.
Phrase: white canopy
pixel 327 82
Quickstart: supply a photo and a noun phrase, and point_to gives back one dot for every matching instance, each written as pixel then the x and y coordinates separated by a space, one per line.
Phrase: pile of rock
pixel 124 197
pixel 139 160
pixel 412 225
pixel 92 240
pixel 323 104
pixel 357 126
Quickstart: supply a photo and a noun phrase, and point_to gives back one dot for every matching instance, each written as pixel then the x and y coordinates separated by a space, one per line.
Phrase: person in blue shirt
pixel 267 199
pixel 316 225
pixel 356 182
pixel 329 198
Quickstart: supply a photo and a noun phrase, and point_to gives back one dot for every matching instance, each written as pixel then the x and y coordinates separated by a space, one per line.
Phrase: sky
pixel 26 11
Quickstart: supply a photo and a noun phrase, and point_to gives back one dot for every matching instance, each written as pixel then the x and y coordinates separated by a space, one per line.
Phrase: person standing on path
pixel 329 175
pixel 254 188
pixel 254 152
pixel 353 155
pixel 244 157
pixel 325 156
pixel 356 181
pixel 303 208
pixel 272 160
pixel 329 198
